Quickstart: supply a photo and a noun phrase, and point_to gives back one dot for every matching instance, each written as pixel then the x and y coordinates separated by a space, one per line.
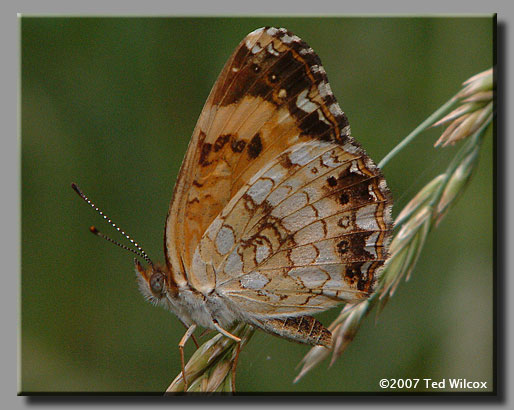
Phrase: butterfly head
pixel 153 281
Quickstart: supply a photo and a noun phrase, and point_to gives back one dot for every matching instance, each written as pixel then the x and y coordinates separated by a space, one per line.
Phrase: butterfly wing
pixel 310 222
pixel 271 94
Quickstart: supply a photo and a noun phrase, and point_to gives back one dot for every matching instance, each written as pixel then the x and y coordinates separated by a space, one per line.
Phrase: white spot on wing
pixel 271 50
pixel 301 156
pixel 263 251
pixel 254 280
pixel 276 173
pixel 304 51
pixel 369 164
pixel 371 242
pixel 354 168
pixel 365 218
pixel 371 192
pixel 318 69
pixel 257 31
pixel 350 147
pixel 322 117
pixel 330 159
pixel 364 269
pixel 225 240
pixel 286 39
pixel 252 38
pixel 335 110
pixel 260 190
pixel 346 131
pixel 324 89
pixel 304 103
pixel 234 265
pixel 289 39
pixel 256 48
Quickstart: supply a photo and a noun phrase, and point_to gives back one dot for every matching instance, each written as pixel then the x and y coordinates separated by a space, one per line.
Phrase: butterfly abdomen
pixel 301 329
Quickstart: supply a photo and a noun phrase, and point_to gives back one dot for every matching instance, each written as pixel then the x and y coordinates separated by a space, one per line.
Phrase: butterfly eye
pixel 157 282
pixel 255 68
pixel 273 78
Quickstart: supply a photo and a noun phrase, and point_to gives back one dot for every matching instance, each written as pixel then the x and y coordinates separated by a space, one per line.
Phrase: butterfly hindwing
pixel 305 233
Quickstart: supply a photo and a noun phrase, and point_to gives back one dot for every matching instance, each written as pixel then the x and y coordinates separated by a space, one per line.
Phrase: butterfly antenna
pixel 141 252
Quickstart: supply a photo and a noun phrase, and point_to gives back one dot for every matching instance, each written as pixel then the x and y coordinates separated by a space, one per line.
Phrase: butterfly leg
pixel 182 343
pixel 238 349
pixel 234 366
pixel 192 336
pixel 225 333
pixel 195 341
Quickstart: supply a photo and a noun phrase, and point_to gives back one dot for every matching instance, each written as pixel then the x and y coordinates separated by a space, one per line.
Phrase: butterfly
pixel 277 213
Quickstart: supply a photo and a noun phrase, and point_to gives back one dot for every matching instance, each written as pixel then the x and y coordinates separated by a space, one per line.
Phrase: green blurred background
pixel 110 103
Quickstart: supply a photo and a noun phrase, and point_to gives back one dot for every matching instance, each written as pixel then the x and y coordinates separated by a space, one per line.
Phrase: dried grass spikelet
pixel 210 367
pixel 477 108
